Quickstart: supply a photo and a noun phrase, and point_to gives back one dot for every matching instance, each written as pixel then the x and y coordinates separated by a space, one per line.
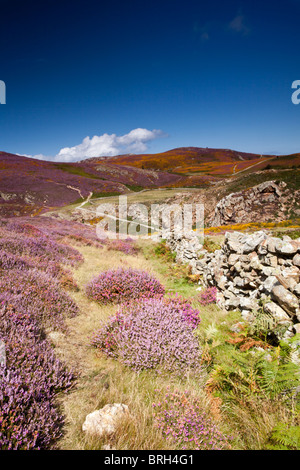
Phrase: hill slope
pixel 30 186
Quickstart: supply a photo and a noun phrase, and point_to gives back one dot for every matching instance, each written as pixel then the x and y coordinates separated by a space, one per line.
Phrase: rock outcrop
pixel 261 203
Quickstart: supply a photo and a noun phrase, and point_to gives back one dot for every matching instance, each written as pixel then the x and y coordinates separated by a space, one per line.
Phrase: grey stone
pixel 268 271
pixel 238 281
pixel 271 260
pixel 233 241
pixel 271 244
pixel 286 248
pixel 297 328
pixel 256 264
pixel 277 312
pixel 251 242
pixel 286 299
pixel 232 302
pixel 232 259
pixel 296 260
pixel 248 303
pixel 296 290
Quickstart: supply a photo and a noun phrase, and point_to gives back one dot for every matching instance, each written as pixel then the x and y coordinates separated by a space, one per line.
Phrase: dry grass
pixel 103 380
pixel 254 420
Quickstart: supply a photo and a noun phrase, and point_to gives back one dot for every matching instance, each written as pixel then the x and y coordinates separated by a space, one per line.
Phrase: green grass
pixel 150 196
pixel 291 233
pixel 105 194
pixel 134 187
pixel 76 170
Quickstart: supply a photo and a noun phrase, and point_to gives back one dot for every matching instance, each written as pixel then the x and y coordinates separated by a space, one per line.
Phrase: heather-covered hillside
pixel 29 186
pixel 185 160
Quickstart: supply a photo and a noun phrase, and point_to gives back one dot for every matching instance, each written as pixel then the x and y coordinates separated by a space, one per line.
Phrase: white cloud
pixel 105 145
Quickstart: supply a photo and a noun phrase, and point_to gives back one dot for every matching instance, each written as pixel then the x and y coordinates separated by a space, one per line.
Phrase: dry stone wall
pixel 252 272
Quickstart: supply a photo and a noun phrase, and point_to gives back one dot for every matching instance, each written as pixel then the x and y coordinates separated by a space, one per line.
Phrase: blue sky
pixel 105 77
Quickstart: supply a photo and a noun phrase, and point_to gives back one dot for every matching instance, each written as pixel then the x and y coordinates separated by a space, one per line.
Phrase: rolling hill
pixel 195 167
pixel 30 186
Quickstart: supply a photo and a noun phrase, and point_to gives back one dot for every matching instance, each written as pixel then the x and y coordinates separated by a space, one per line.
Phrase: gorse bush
pixel 186 425
pixel 119 285
pixel 152 334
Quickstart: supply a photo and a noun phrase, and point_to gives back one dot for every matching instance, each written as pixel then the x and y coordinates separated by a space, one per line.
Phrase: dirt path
pixel 101 380
pixel 252 166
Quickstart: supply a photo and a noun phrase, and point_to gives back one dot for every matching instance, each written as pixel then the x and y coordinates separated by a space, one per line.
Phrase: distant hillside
pixel 186 160
pixel 30 186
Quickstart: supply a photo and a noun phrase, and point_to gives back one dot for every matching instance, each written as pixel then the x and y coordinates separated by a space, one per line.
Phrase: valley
pixel 88 312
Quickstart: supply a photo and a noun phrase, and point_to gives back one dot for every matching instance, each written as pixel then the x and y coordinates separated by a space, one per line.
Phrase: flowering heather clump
pixel 120 285
pixel 208 296
pixel 126 246
pixel 151 334
pixel 106 339
pixel 190 314
pixel 185 424
pixel 79 239
pixel 10 261
pixel 56 229
pixel 32 277
pixel 66 279
pixel 38 293
pixel 41 247
pixel 29 383
pixel 25 228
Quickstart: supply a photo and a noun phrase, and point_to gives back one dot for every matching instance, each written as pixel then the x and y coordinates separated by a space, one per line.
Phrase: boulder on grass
pixel 105 420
